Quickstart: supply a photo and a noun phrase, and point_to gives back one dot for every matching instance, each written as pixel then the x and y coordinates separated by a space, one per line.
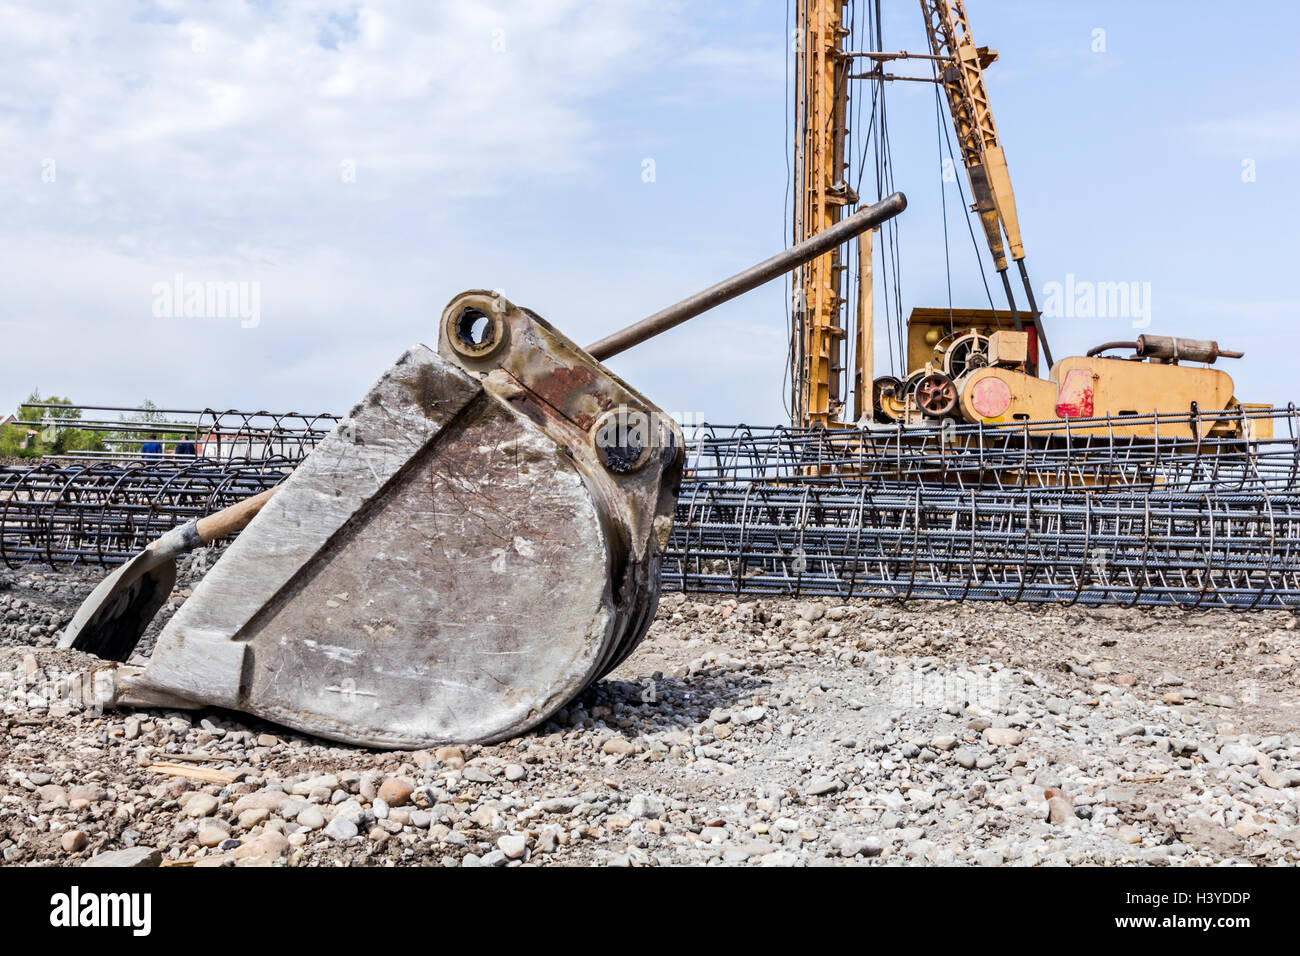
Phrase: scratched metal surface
pixel 452 563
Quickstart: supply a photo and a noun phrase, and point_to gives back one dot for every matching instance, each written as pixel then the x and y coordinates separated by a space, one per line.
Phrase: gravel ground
pixel 768 732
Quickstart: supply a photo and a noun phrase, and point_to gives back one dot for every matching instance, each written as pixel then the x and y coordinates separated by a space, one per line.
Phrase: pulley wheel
pixel 936 395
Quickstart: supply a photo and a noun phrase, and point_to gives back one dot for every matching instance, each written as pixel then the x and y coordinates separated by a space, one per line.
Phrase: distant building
pixel 28 434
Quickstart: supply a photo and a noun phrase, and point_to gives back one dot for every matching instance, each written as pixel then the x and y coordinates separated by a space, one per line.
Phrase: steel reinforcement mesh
pixel 1191 514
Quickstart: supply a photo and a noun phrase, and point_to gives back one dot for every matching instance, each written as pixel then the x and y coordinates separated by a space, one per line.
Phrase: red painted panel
pixel 1075 397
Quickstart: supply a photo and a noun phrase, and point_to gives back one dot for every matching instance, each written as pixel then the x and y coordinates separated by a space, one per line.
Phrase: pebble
pixel 211 833
pixel 821 785
pixel 311 818
pixel 201 805
pixel 341 828
pixel 1003 737
pixel 451 757
pixel 1060 810
pixel 139 856
pixel 642 806
pixel 396 791
pixel 261 800
pixel 513 846
pixel 74 841
pixel 1238 754
pixel 251 818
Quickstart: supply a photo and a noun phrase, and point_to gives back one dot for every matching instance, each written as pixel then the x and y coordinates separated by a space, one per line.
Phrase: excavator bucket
pixel 475 543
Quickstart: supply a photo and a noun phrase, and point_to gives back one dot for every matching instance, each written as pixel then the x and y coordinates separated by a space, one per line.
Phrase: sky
pixel 350 167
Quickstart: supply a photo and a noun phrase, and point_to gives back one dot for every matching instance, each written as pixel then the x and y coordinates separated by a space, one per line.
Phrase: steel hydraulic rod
pixel 753 277
pixel 1034 314
pixel 1011 300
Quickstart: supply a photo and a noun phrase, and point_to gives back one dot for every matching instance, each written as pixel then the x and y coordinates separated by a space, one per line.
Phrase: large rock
pixel 1003 737
pixel 90 792
pixel 265 850
pixel 53 793
pixel 136 856
pixel 1205 834
pixel 261 800
pixel 823 785
pixel 201 805
pixel 1239 755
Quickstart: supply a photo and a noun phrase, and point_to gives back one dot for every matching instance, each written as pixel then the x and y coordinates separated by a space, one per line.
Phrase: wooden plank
pixel 195 758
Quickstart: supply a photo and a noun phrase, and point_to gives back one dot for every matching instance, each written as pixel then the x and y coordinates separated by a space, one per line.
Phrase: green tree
pixel 56 436
pixel 128 440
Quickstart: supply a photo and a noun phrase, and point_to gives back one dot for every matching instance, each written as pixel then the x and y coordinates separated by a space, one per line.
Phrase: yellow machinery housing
pixel 972 365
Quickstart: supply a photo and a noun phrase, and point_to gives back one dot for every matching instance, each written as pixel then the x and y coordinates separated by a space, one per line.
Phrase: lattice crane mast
pixel 961 73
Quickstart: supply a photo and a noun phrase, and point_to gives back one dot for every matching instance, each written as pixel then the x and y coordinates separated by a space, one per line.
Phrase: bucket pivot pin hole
pixel 623 439
pixel 474 333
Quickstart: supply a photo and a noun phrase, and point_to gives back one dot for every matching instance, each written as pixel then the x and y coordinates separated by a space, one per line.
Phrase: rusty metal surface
pixel 455 562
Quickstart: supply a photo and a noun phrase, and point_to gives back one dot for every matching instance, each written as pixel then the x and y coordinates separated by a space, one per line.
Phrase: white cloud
pixel 210 140
pixel 206 104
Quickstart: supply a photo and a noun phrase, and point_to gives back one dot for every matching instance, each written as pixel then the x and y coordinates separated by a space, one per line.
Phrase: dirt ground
pixel 761 732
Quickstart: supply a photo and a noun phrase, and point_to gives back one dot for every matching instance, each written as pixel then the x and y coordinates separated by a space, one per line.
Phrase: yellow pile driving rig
pixel 961 364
